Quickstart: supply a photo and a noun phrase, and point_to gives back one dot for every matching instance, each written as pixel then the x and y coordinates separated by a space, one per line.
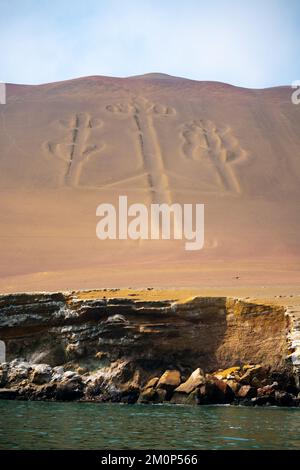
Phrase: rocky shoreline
pixel 96 346
pixel 249 385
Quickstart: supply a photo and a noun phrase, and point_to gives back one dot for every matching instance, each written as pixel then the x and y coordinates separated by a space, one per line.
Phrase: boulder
pixel 38 392
pixel 193 398
pixel 215 392
pixel 222 385
pixel 18 371
pixel 225 390
pixel 208 394
pixel 169 381
pixel 246 391
pixel 27 391
pixel 161 396
pixel 151 383
pixel 47 392
pixel 41 374
pixel 94 388
pixel 130 396
pixel 57 378
pixel 70 389
pixel 195 379
pixel 234 385
pixel 180 398
pixel 152 395
pixel 147 395
pixel 170 378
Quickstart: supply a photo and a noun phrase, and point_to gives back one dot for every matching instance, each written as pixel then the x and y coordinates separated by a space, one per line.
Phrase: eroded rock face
pixel 62 347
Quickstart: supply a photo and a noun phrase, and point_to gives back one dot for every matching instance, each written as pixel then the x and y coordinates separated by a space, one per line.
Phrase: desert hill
pixel 67 147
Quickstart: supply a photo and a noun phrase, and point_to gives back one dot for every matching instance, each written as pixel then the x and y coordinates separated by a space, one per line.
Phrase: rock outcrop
pixel 28 381
pixel 205 350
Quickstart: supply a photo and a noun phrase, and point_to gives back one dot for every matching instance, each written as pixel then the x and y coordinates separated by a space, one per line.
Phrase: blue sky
pixel 247 43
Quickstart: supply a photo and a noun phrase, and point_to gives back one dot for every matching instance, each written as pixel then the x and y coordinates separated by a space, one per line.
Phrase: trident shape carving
pixel 77 149
pixel 203 141
pixel 143 113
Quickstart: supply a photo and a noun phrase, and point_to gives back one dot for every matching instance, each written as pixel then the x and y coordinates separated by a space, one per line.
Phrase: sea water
pixel 52 425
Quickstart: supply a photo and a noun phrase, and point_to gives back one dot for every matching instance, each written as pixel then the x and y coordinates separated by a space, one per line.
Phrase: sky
pixel 253 43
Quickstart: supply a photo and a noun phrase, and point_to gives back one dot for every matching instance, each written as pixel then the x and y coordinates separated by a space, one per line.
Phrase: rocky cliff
pixel 118 344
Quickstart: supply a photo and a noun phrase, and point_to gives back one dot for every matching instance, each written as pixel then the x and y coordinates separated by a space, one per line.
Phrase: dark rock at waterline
pixel 152 395
pixel 284 399
pixel 93 390
pixel 46 392
pixel 285 381
pixel 9 393
pixel 186 399
pixel 69 390
pixel 215 391
pixel 148 395
pixel 130 397
pixel 266 400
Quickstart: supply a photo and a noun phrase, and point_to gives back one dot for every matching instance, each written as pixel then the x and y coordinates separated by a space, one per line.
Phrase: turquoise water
pixel 40 425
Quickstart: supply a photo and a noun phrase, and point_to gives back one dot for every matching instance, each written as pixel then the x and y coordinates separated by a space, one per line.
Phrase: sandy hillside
pixel 67 147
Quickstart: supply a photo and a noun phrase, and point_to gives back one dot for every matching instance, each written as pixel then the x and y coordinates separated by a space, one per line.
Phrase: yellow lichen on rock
pixel 227 373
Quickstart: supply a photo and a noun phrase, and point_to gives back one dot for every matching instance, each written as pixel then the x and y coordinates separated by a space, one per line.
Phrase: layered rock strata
pixel 61 346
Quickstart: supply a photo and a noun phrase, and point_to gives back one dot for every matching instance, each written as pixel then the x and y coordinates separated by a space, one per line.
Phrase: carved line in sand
pixel 202 140
pixel 77 149
pixel 143 112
